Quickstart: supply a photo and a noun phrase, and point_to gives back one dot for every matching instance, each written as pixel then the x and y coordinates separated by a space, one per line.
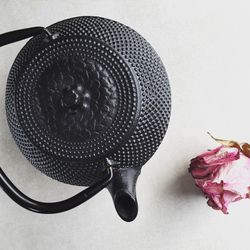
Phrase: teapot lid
pixel 77 97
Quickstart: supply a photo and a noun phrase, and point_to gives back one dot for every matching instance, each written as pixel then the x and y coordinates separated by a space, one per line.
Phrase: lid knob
pixel 70 99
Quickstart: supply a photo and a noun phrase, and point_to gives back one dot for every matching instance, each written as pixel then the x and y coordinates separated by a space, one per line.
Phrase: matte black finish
pixel 18 35
pixel 53 207
pixel 85 90
pixel 122 189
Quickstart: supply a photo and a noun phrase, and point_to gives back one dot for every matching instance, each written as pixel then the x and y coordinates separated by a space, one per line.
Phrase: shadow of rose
pixel 186 185
pixel 183 185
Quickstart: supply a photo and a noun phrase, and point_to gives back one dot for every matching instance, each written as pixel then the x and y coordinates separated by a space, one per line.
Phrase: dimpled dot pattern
pixel 143 111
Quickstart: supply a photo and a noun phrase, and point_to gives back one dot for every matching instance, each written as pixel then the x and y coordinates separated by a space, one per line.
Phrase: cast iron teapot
pixel 88 103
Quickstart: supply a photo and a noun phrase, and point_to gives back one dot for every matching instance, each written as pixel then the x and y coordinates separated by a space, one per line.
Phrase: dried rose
pixel 223 174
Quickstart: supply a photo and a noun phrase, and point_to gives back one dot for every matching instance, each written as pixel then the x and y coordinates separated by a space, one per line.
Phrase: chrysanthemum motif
pixel 76 99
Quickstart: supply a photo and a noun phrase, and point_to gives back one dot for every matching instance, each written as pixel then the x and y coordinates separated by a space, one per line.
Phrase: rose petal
pixel 205 164
pixel 223 175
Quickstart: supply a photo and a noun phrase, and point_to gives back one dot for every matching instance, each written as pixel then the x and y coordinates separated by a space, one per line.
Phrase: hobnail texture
pixel 97 91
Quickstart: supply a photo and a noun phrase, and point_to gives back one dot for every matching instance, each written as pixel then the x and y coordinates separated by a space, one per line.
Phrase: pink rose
pixel 223 175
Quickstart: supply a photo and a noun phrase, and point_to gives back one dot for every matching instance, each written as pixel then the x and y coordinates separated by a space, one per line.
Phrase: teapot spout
pixel 123 191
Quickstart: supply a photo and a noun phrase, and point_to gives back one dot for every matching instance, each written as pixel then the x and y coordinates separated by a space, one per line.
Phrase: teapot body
pixel 88 103
pixel 145 100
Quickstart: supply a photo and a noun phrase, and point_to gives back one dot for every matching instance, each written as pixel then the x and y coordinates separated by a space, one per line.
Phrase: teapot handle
pixel 18 35
pixel 9 188
pixel 54 207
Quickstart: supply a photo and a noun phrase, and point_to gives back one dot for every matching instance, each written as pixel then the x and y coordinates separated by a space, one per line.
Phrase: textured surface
pixel 205 48
pixel 76 99
pixel 143 99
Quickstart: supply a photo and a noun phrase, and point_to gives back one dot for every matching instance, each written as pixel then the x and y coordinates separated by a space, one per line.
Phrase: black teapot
pixel 88 103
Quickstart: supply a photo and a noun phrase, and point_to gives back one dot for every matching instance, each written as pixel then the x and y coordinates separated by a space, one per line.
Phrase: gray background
pixel 205 47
